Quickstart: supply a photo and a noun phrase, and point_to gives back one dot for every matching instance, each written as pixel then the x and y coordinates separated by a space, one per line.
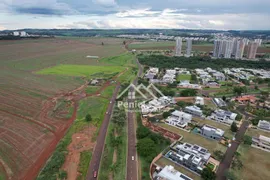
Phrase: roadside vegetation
pixel 52 170
pixel 149 145
pixel 113 162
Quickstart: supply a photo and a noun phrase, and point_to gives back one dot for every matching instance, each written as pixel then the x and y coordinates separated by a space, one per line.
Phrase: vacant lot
pixel 182 77
pixel 256 163
pixel 34 106
pixel 189 137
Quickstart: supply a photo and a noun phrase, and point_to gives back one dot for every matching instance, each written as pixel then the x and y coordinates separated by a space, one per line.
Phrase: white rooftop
pixel 169 173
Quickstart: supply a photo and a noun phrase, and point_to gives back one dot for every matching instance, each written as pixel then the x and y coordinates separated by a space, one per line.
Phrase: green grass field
pixel 126 59
pixel 108 92
pixel 91 89
pixel 181 77
pixel 81 70
pixel 256 163
pixel 85 158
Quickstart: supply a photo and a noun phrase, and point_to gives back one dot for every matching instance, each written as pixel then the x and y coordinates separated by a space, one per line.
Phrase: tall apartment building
pixel 234 46
pixel 223 48
pixel 217 48
pixel 246 41
pixel 252 50
pixel 189 47
pixel 240 46
pixel 228 48
pixel 178 47
pixel 259 41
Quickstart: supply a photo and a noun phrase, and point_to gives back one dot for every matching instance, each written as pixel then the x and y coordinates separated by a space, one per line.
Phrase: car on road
pixel 132 158
pixel 110 102
pixel 95 174
pixel 107 112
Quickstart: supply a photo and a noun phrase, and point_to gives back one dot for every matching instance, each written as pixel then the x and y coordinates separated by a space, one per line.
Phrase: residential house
pixel 156 105
pixel 179 119
pixel 186 84
pixel 219 76
pixel 226 117
pixel 219 102
pixel 199 100
pixel 211 84
pixel 246 98
pixel 194 110
pixel 193 157
pixel 262 142
pixel 265 125
pixel 169 173
pixel 168 78
pixel 211 132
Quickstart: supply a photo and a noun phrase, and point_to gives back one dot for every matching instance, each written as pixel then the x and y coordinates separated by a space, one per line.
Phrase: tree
pixel 142 132
pixel 238 90
pixel 88 118
pixel 188 92
pixel 247 140
pixel 146 147
pixel 166 114
pixel 219 155
pixel 224 98
pixel 208 174
pixel 62 175
pixel 234 127
pixel 256 87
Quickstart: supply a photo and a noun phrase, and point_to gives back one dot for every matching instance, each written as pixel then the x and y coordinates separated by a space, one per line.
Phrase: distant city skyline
pixel 118 14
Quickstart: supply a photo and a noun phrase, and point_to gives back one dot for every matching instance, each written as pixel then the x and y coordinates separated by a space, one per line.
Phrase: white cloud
pixel 216 22
pixel 137 13
pixel 105 2
pixel 2 28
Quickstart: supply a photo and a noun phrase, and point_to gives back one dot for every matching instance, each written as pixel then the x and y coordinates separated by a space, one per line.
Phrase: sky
pixel 118 14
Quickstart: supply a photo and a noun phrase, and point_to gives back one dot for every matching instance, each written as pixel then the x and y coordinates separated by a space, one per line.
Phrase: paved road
pixel 96 157
pixel 225 164
pixel 132 165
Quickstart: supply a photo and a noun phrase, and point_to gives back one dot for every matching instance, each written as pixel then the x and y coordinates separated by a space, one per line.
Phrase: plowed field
pixel 36 110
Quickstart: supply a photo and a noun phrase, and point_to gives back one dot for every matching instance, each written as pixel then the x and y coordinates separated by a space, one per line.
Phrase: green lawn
pixel 189 137
pixel 126 59
pixel 82 70
pixel 257 132
pixel 128 76
pixel 256 163
pixel 91 89
pixel 181 77
pixel 95 106
pixel 108 92
pixel 163 162
pixel 85 158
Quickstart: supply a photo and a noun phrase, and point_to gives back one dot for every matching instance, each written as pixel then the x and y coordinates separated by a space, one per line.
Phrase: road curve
pixel 96 157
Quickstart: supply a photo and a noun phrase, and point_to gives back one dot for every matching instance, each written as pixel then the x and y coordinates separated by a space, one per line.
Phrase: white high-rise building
pixel 252 50
pixel 178 47
pixel 189 46
pixel 240 46
pixel 234 46
pixel 228 49
pixel 246 41
pixel 259 41
pixel 217 48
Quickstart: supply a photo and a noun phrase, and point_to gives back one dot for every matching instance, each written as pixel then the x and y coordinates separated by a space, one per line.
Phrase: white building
pixel 23 34
pixel 226 117
pixel 16 33
pixel 219 76
pixel 199 100
pixel 259 41
pixel 228 49
pixel 186 84
pixel 178 48
pixel 265 125
pixel 194 110
pixel 240 46
pixel 212 132
pixel 179 119
pixel 169 173
pixel 189 47
pixel 262 142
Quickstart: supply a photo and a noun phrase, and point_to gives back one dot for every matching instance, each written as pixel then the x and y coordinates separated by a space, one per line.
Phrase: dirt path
pixel 81 141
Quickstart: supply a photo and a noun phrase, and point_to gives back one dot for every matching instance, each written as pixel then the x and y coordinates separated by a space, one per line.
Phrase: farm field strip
pixel 31 122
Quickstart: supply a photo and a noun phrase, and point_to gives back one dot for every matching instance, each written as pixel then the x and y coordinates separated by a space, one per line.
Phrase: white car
pixel 132 158
pixel 110 102
pixel 106 112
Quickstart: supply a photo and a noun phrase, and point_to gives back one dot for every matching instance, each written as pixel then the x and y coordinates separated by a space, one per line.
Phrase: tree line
pixel 161 61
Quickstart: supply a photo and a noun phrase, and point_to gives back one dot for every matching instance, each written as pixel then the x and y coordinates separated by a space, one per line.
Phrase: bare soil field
pixel 36 110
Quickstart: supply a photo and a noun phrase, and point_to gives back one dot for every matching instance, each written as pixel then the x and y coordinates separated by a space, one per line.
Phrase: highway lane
pixel 97 154
pixel 132 165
